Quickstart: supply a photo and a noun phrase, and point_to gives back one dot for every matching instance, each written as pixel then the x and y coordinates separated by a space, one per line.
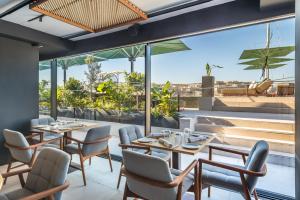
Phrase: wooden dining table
pixel 178 150
pixel 66 128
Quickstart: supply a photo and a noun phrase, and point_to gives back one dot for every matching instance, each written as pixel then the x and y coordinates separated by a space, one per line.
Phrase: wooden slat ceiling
pixel 91 15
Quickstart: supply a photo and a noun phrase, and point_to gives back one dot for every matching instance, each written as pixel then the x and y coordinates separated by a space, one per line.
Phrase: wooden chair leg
pixel 82 169
pixel 120 175
pixel 7 170
pixel 109 159
pixel 61 142
pixel 90 161
pixel 209 191
pixel 200 181
pixel 255 194
pixel 125 192
pixel 245 188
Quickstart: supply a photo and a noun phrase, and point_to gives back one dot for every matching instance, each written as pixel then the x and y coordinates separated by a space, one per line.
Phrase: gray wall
pixel 18 87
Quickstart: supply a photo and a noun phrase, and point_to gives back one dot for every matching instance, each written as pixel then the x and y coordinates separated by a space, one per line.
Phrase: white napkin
pixel 197 138
pixel 165 143
pixel 164 134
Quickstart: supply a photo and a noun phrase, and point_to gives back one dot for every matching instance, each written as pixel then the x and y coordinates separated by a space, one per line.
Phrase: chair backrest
pixel 255 161
pixel 129 134
pixel 17 139
pixel 152 168
pixel 41 121
pixel 49 170
pixel 96 134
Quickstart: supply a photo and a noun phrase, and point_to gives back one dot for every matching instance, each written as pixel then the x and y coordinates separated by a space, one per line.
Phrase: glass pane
pixel 239 84
pixel 44 88
pixel 101 87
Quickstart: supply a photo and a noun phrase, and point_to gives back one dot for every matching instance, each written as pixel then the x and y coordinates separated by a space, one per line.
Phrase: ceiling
pixel 61 29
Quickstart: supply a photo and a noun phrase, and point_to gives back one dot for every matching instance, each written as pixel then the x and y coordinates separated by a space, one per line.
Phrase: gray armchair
pixel 241 179
pixel 20 150
pixel 46 178
pixel 149 177
pixel 94 144
pixel 46 136
pixel 131 133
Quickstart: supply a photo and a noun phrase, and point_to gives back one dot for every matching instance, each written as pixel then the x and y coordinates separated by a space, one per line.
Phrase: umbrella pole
pixel 65 76
pixel 132 60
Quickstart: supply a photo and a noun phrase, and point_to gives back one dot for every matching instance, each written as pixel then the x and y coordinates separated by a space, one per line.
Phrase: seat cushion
pixel 72 148
pixel 18 194
pixel 223 178
pixel 188 181
pixel 165 155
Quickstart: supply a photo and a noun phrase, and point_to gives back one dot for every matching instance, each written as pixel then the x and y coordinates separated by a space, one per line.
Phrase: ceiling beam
pixel 15 8
pixel 232 14
pixel 18 32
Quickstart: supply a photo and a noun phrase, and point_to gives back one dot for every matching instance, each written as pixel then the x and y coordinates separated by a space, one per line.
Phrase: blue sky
pixel 220 48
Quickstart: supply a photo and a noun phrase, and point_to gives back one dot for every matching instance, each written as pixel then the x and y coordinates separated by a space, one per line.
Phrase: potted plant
pixel 208 81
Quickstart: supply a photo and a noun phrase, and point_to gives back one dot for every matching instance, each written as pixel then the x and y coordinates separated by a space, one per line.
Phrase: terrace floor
pixel 101 184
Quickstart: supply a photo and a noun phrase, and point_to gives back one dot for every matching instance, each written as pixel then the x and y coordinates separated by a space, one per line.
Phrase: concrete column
pixel 148 89
pixel 53 103
pixel 297 102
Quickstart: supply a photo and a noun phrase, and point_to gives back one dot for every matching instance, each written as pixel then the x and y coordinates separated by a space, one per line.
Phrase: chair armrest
pixel 126 146
pixel 14 173
pixel 228 150
pixel 184 173
pixel 234 168
pixel 47 193
pixel 33 146
pixel 73 139
pixel 91 142
pixel 33 134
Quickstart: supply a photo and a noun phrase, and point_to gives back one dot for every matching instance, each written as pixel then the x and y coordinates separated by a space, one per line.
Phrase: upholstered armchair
pixel 131 133
pixel 241 179
pixel 46 178
pixel 20 150
pixel 149 177
pixel 46 136
pixel 94 144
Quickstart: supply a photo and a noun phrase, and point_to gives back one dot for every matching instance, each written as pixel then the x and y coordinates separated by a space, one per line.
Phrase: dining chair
pixel 94 144
pixel 150 177
pixel 131 133
pixel 20 150
pixel 46 178
pixel 241 179
pixel 46 136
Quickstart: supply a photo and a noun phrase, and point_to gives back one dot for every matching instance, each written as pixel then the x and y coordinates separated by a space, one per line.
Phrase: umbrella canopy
pixel 136 51
pixel 269 58
pixel 266 58
pixel 65 63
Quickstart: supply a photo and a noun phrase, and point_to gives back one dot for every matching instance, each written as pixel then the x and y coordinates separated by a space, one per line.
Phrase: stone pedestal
pixel 208 83
pixel 206 102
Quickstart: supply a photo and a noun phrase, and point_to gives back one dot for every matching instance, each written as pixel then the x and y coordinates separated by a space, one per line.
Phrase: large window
pixel 107 87
pixel 237 83
pixel 44 88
